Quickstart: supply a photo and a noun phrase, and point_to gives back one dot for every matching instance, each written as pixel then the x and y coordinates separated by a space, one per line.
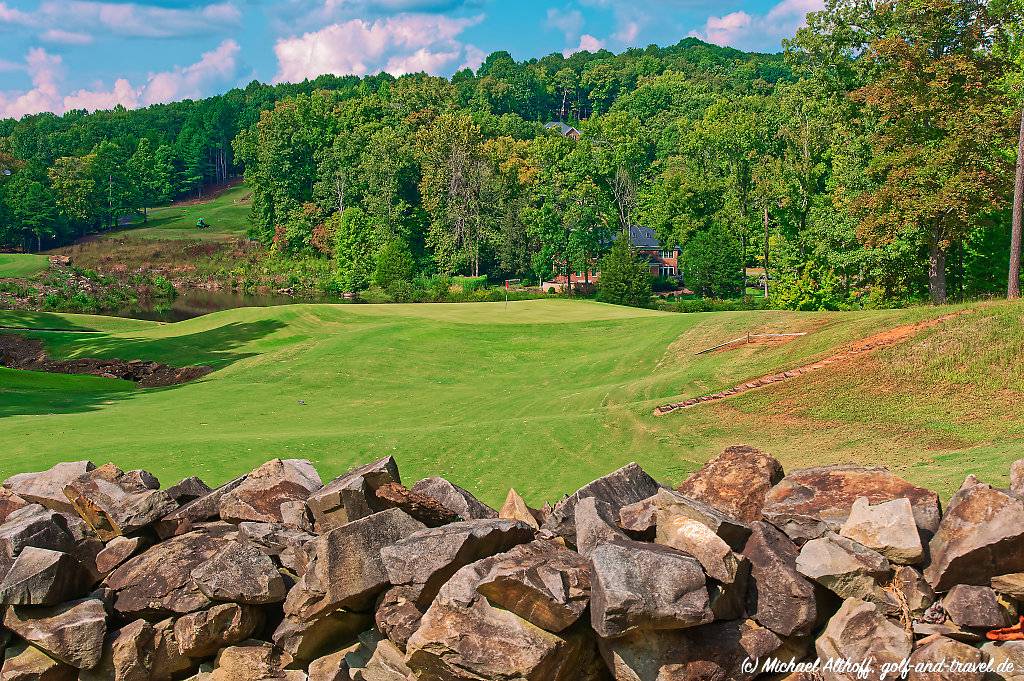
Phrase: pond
pixel 196 303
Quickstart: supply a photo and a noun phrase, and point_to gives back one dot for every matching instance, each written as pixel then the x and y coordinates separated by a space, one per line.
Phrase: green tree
pixel 395 265
pixel 34 209
pixel 625 276
pixel 145 175
pixel 355 250
pixel 709 264
pixel 74 184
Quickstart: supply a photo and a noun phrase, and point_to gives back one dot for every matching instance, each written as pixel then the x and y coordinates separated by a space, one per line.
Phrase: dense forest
pixel 871 163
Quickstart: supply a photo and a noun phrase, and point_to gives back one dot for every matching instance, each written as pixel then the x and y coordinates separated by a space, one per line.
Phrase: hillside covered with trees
pixel 870 164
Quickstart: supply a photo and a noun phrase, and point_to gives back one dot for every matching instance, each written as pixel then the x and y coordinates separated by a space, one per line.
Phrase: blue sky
pixel 57 55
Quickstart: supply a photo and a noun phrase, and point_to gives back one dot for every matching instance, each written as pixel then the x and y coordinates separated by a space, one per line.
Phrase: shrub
pixel 711 264
pixel 625 278
pixel 394 264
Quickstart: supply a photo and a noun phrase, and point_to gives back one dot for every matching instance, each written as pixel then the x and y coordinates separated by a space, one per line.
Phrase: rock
pixel 398 613
pixel 542 582
pixel 241 573
pixel 1012 585
pixel 844 567
pixel 941 654
pixel 888 528
pixel 913 589
pixel 26 663
pixel 127 654
pixel 268 493
pixel 347 570
pixel 1017 477
pixel 158 582
pixel 287 544
pixel 1009 656
pixel 117 551
pixel 72 633
pixel 981 536
pixel 428 558
pixel 640 518
pixel 859 631
pixel 780 598
pixel 515 508
pixel 975 607
pixel 37 527
pixel 9 503
pixel 352 496
pixel 423 508
pixel 188 490
pixel 463 638
pixel 202 634
pixel 306 640
pixel 698 540
pixel 47 488
pixel 204 508
pixel 809 502
pixel 672 505
pixel 713 651
pixel 735 482
pixel 331 667
pixel 115 503
pixel 384 661
pixel 970 481
pixel 44 577
pixel 635 585
pixel 596 523
pixel 457 500
pixel 625 486
pixel 254 661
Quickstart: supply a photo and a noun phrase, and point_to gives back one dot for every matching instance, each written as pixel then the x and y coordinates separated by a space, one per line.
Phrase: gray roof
pixel 561 127
pixel 643 237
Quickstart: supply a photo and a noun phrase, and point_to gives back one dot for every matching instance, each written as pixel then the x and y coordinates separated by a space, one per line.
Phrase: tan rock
pixel 117 551
pixel 936 662
pixel 127 655
pixel 859 631
pixel 47 488
pixel 515 508
pixel 735 482
pixel 268 493
pixel 352 496
pixel 672 506
pixel 72 633
pixel 44 577
pixel 698 540
pixel 115 503
pixel 1012 585
pixel 888 528
pixel 202 634
pixel 240 573
pixel 26 663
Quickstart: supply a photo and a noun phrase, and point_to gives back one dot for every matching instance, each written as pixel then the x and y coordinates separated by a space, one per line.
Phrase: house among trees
pixel 664 263
pixel 565 130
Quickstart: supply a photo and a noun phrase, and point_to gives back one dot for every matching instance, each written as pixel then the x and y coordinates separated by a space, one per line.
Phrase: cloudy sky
pixel 70 54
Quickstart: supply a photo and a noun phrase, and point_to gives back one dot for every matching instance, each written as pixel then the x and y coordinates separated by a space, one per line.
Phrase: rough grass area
pixel 543 395
pixel 227 216
pixel 18 265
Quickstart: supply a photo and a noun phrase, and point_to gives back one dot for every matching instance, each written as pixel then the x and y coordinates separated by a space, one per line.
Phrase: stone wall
pixel 741 569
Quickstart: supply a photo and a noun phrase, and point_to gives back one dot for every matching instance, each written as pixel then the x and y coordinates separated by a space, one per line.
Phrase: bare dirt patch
pixel 21 352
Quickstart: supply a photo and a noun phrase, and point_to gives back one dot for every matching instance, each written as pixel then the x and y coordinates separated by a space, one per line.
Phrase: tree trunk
pixel 766 228
pixel 1013 287
pixel 145 215
pixel 937 271
pixel 39 242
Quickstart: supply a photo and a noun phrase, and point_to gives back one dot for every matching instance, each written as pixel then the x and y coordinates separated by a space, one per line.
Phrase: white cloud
pixel 474 57
pixel 46 70
pixel 588 43
pixel 627 32
pixel 55 18
pixel 758 32
pixel 61 37
pixel 570 23
pixel 399 44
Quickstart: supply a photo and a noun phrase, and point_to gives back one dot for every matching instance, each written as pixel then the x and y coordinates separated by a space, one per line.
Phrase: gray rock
pixel 700 541
pixel 673 506
pixel 859 631
pixel 735 482
pixel 347 570
pixel 287 544
pixel 596 523
pixel 352 496
pixel 44 577
pixel 273 493
pixel 37 527
pixel 72 633
pixel 1012 585
pixel 47 488
pixel 975 607
pixel 428 558
pixel 455 499
pixel 625 486
pixel 940 654
pixel 844 567
pixel 635 585
pixel 188 490
pixel 115 503
pixel 1009 656
pixel 981 536
pixel 241 573
pixel 780 598
pixel 1017 477
pixel 197 511
pixel 888 528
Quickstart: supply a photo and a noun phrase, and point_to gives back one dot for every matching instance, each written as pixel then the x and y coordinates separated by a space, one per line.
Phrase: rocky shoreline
pixel 741 572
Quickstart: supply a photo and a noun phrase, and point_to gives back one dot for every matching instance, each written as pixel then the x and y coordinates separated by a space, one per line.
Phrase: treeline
pixel 871 164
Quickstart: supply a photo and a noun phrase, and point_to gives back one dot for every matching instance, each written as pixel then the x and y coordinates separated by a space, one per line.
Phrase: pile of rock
pixel 108 577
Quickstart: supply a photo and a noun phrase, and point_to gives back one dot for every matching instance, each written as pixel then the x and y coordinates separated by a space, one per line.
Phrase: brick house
pixel 565 130
pixel 663 262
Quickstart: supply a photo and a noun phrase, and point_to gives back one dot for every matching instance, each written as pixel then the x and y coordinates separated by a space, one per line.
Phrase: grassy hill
pixel 16 265
pixel 227 215
pixel 543 395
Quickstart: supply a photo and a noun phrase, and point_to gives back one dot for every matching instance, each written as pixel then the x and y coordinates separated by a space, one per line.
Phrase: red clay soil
pixel 21 352
pixel 870 344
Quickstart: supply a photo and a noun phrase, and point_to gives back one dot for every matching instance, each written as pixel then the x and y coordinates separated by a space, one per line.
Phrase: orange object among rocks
pixel 1014 633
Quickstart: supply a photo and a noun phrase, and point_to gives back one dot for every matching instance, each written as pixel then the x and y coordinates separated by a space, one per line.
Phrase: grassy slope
pixel 14 265
pixel 544 396
pixel 227 215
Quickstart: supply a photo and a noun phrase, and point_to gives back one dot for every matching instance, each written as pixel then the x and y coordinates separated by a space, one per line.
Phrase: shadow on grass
pixel 36 393
pixel 38 320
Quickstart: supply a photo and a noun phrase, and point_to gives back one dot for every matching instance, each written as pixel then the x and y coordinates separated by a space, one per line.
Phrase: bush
pixel 394 264
pixel 810 289
pixel 711 264
pixel 625 278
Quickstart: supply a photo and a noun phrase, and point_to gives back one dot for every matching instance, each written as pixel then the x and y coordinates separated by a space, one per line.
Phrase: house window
pixel 668 271
pixel 668 254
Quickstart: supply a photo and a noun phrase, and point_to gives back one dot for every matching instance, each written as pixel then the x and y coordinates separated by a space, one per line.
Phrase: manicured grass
pixel 543 395
pixel 227 216
pixel 14 265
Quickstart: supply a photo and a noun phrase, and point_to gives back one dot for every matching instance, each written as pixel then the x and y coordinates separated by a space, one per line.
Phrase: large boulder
pixel 347 570
pixel 27 663
pixel 117 551
pixel 1008 656
pixel 981 537
pixel 44 577
pixel 780 598
pixel 201 634
pixel 457 500
pixel 422 507
pixel 858 632
pixel 254 661
pixel 845 567
pixel 723 651
pixel 809 502
pixel 975 607
pixel 158 582
pixel 115 503
pixel 241 573
pixel 935 661
pixel 596 523
pixel 888 528
pixel 700 541
pixel 625 486
pixel 672 506
pixel 735 482
pixel 72 633
pixel 34 526
pixel 635 585
pixel 352 496
pixel 198 510
pixel 47 488
pixel 276 492
pixel 426 559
